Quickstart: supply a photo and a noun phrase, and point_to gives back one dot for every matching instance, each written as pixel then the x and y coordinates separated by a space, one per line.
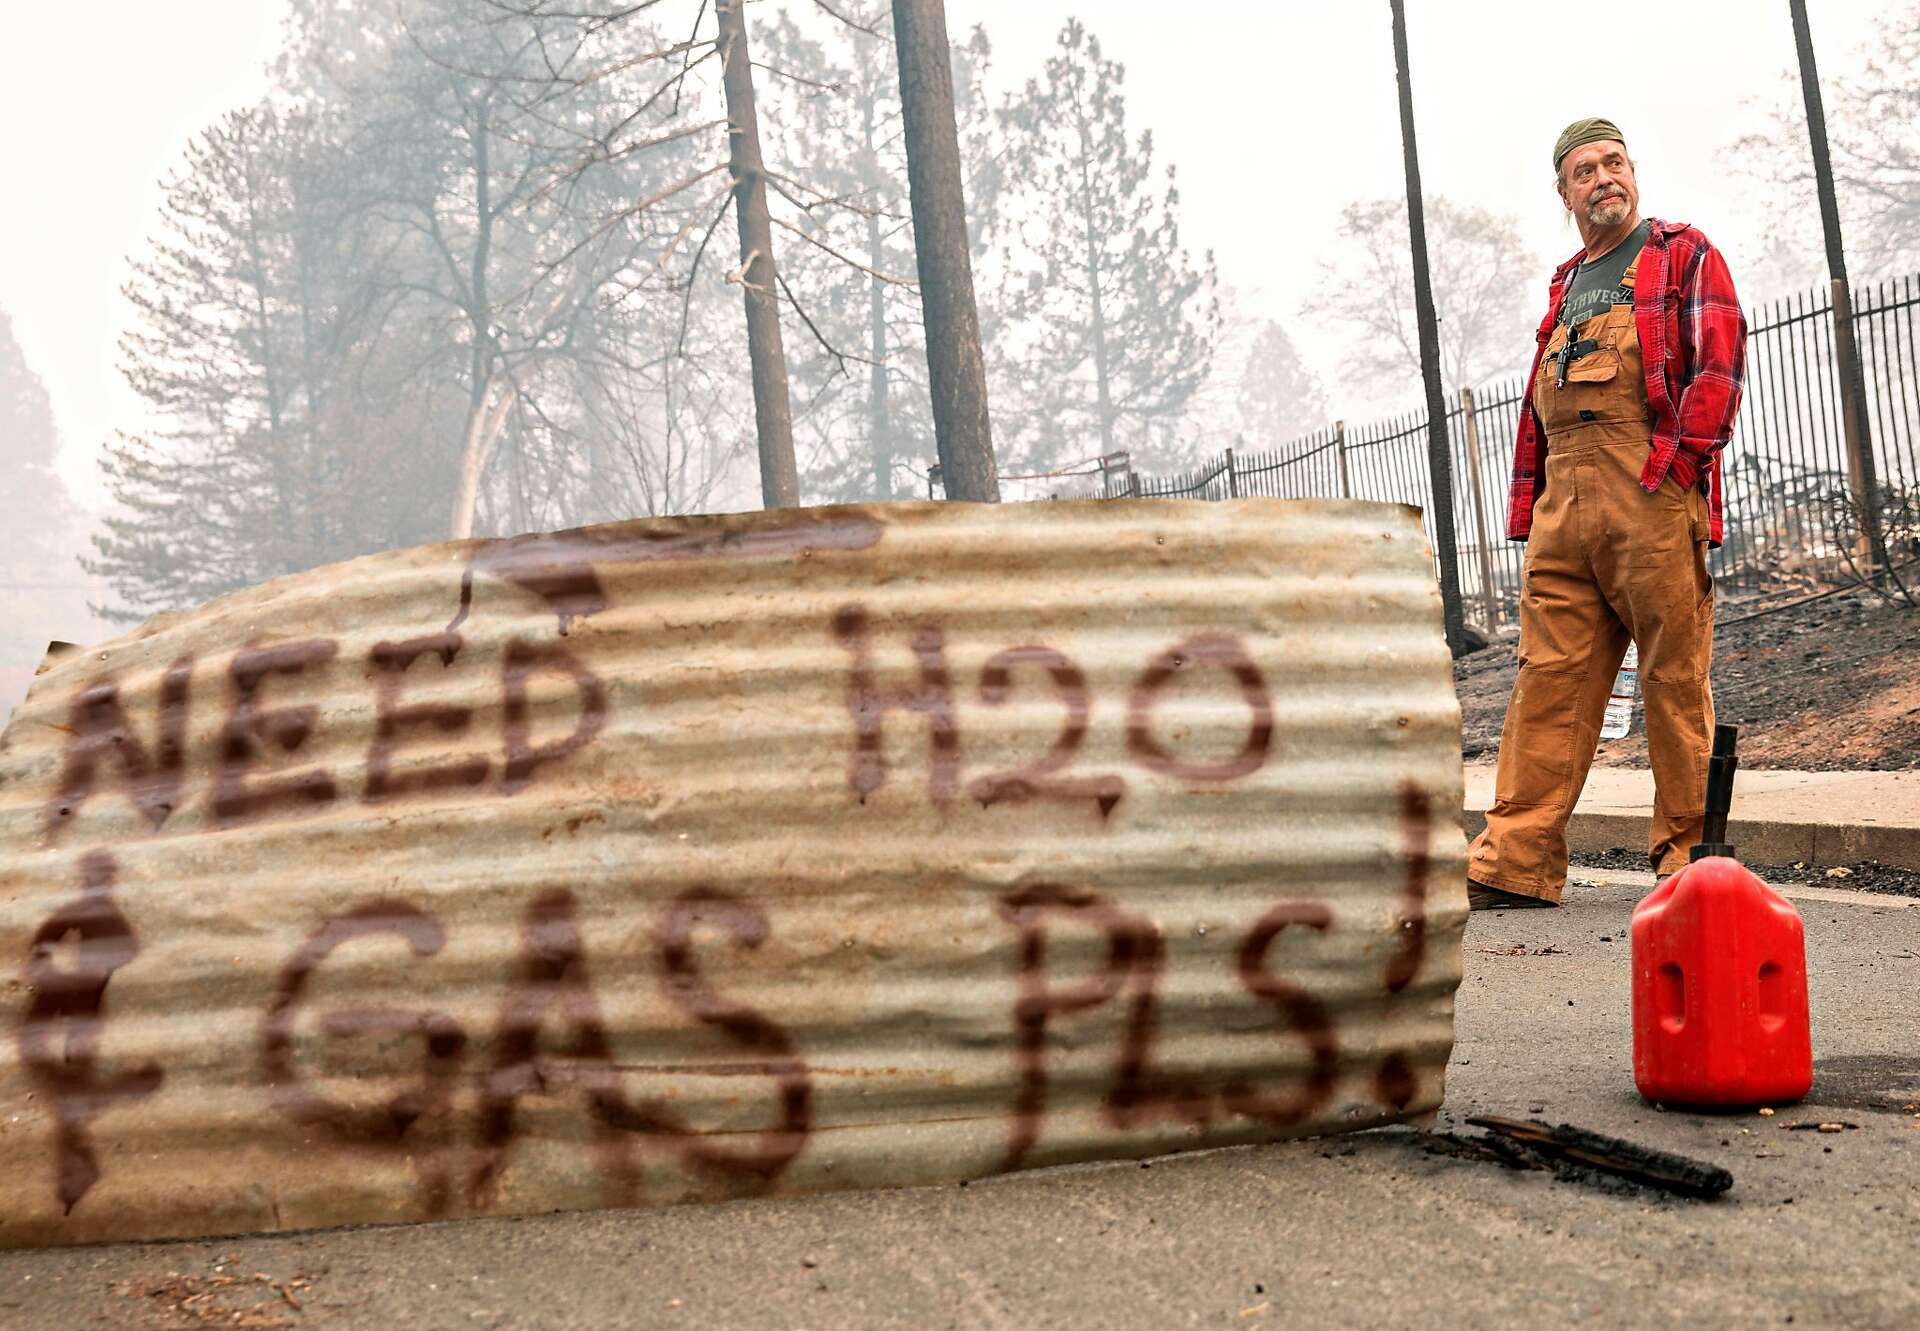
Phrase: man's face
pixel 1597 185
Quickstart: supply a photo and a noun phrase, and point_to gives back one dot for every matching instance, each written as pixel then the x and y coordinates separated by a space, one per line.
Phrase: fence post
pixel 1491 601
pixel 1860 464
pixel 1233 481
pixel 1340 448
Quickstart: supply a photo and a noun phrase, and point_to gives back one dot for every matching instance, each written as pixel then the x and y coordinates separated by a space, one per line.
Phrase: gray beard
pixel 1594 211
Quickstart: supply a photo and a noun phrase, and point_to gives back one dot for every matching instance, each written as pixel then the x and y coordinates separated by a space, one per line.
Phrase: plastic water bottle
pixel 1619 718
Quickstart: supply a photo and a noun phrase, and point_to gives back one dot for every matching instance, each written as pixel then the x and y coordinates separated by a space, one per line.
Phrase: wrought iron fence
pixel 1788 492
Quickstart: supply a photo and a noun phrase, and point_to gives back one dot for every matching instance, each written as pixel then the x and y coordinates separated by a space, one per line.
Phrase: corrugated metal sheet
pixel 708 857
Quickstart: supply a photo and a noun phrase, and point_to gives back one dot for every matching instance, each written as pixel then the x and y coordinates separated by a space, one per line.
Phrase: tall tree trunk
pixel 1853 386
pixel 519 511
pixel 772 408
pixel 1101 382
pixel 879 410
pixel 286 500
pixel 594 505
pixel 321 521
pixel 1439 461
pixel 485 414
pixel 283 478
pixel 485 418
pixel 956 370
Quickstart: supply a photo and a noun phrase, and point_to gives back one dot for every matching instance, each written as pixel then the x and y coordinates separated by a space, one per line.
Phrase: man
pixel 1616 489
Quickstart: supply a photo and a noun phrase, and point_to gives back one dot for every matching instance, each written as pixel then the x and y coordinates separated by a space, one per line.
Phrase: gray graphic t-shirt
pixel 1595 286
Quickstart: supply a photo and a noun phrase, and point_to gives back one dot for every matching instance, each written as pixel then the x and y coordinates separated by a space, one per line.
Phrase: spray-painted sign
pixel 722 856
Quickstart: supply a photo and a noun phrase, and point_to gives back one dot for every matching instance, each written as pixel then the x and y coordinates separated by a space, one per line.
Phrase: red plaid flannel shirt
pixel 1693 338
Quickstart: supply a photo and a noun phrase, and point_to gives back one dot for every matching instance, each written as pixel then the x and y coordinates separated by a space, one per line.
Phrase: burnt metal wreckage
pixel 1577 1152
pixel 714 857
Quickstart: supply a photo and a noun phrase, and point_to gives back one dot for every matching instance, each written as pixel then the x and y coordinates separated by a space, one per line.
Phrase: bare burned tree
pixel 423 272
pixel 506 150
pixel 754 192
pixel 455 276
pixel 836 141
pixel 1439 464
pixel 1872 108
pixel 779 481
pixel 1480 272
pixel 633 43
pixel 956 365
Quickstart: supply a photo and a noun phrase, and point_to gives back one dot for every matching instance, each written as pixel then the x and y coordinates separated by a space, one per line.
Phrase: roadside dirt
pixel 228 1295
pixel 1867 876
pixel 1828 685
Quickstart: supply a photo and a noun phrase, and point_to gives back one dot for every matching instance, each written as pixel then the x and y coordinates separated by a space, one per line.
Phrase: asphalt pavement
pixel 1371 1230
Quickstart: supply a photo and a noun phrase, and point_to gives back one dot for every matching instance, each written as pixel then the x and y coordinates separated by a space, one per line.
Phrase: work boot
pixel 1482 896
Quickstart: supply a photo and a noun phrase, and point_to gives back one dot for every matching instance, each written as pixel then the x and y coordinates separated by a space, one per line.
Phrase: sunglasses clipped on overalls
pixel 1595 379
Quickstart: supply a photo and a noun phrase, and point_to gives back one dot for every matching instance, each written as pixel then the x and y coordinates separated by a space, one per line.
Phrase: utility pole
pixel 1853 385
pixel 956 369
pixel 1439 464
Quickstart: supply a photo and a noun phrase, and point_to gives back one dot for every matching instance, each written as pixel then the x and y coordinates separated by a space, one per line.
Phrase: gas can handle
pixel 1720 769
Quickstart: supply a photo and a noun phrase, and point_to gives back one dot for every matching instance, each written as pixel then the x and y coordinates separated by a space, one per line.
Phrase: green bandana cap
pixel 1580 132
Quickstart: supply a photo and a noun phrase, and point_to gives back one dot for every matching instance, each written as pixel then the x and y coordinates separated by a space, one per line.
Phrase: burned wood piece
pixel 1642 1164
pixel 1492 1150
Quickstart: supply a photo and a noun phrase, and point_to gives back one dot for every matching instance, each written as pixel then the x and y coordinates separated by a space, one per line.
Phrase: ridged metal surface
pixel 713 857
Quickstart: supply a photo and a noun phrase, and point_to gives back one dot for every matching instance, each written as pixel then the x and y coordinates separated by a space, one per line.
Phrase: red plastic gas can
pixel 1720 990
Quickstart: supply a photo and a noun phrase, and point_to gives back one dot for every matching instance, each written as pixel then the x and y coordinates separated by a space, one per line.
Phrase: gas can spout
pixel 1720 770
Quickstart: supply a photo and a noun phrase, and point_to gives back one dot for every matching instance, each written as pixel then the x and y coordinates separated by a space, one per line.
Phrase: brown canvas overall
pixel 1607 563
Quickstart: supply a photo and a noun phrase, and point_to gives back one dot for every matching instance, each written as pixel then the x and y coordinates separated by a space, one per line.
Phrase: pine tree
pixel 1873 124
pixel 492 173
pixel 423 269
pixel 42 593
pixel 235 351
pixel 1280 399
pixel 1107 324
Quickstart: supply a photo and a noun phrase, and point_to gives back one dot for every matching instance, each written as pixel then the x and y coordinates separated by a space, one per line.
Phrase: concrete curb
pixel 1762 842
pixel 1818 817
